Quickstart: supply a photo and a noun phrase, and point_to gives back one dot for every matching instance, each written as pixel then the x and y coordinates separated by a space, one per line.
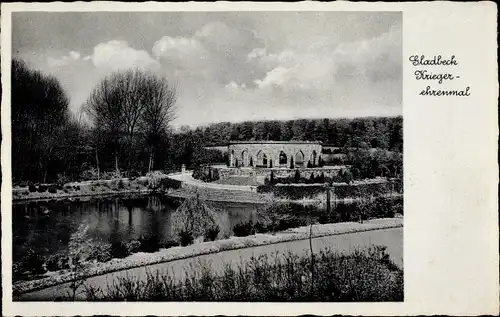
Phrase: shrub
pixel 52 263
pixel 52 190
pixel 297 176
pixel 185 238
pixel 119 250
pixel 33 261
pixel 133 246
pixel 62 179
pixel 32 188
pixel 243 229
pixel 42 188
pixel 169 243
pixel 359 276
pixel 321 163
pixel 89 174
pixel 212 233
pixel 57 262
pixel 149 244
pixel 260 227
pixel 105 253
pixel 194 215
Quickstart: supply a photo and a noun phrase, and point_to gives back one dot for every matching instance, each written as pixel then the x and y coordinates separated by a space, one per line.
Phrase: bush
pixel 119 250
pixel 52 263
pixel 33 261
pixel 243 229
pixel 361 276
pixel 149 244
pixel 62 179
pixel 105 253
pixel 169 243
pixel 133 246
pixel 194 215
pixel 52 190
pixel 89 174
pixel 42 188
pixel 32 188
pixel 185 238
pixel 260 227
pixel 212 233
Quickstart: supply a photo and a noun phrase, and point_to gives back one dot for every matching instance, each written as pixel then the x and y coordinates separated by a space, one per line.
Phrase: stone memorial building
pixel 273 154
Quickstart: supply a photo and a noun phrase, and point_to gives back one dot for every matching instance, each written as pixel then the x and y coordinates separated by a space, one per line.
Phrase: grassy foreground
pixel 367 275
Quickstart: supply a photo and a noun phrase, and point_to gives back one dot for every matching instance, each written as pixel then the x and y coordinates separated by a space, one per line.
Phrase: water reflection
pixel 47 226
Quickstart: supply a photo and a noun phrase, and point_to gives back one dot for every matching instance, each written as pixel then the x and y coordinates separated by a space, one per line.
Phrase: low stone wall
pixel 225 172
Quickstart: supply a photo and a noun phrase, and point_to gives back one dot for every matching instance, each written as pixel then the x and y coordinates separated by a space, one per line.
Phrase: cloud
pixel 116 55
pixel 63 60
pixel 74 55
pixel 325 65
pixel 275 77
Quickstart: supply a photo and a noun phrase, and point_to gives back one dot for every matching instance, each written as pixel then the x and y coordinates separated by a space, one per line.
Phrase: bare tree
pixel 125 103
pixel 159 99
pixel 105 108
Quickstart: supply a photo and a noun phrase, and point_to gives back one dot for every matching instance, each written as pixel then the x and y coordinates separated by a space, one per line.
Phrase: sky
pixel 228 66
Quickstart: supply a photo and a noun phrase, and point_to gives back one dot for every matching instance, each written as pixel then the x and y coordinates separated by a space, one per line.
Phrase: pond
pixel 47 226
pixel 43 229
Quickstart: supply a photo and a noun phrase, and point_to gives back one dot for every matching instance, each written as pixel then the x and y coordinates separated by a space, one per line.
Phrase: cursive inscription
pixel 437 62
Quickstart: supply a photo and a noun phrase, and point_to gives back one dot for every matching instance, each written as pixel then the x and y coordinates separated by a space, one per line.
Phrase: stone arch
pixel 231 159
pixel 244 158
pixel 262 159
pixel 299 158
pixel 283 158
pixel 314 158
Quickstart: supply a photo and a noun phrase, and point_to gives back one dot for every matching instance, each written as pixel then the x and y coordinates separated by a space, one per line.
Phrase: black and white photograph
pixel 232 156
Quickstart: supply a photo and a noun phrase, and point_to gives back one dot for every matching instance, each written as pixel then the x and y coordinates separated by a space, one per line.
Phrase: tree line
pixel 370 132
pixel 124 129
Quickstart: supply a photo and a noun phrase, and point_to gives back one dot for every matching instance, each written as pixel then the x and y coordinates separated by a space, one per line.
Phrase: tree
pixel 126 103
pixel 320 162
pixel 194 216
pixel 39 112
pixel 159 100
pixel 79 246
pixel 291 162
pixel 297 176
pixel 105 108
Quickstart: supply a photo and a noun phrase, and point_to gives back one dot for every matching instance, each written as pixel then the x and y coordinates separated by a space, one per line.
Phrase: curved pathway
pixel 392 238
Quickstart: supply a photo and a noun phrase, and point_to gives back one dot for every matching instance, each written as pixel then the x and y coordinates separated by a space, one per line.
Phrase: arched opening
pixel 231 158
pixel 244 158
pixel 283 158
pixel 313 158
pixel 261 159
pixel 299 159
